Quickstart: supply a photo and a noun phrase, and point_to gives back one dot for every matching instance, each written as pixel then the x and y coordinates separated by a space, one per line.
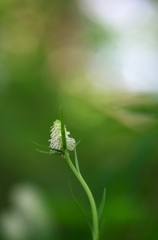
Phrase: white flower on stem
pixel 56 138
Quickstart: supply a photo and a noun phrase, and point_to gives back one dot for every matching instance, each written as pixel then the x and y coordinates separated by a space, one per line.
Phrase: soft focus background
pixel 99 60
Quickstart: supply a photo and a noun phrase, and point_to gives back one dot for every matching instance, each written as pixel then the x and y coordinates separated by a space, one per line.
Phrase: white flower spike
pixel 56 138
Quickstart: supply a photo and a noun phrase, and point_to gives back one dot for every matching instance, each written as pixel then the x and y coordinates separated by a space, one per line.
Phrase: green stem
pixel 95 232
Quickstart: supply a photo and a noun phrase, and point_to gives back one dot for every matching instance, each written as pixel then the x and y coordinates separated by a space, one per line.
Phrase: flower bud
pixel 56 138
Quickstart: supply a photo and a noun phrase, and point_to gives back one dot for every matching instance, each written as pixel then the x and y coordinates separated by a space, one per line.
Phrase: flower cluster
pixel 56 138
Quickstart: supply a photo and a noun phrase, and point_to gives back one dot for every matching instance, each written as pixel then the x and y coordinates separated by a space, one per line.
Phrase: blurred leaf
pixel 77 143
pixel 38 150
pixel 102 204
pixel 76 161
pixel 53 149
pixel 80 208
pixel 40 145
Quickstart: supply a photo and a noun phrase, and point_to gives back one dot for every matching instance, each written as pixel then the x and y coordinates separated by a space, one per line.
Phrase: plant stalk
pixel 95 233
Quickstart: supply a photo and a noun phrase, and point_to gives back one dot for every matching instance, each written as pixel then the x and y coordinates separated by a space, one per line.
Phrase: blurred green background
pixel 98 59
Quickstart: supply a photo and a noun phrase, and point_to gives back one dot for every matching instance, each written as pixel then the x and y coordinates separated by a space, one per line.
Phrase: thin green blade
pixel 80 208
pixel 76 161
pixel 40 145
pixel 54 151
pixel 102 204
pixel 77 143
pixel 43 146
pixel 39 150
pixel 62 129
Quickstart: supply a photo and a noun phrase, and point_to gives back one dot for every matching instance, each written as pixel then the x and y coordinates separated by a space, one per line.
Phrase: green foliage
pixel 76 162
pixel 102 204
pixel 80 208
pixel 52 150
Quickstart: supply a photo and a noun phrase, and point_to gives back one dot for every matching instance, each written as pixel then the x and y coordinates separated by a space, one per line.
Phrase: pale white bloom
pixel 56 138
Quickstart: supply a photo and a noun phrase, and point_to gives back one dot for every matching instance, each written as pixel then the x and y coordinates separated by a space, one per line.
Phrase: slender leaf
pixel 77 143
pixel 43 146
pixel 46 152
pixel 39 150
pixel 76 161
pixel 62 129
pixel 40 145
pixel 56 152
pixel 102 204
pixel 80 208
